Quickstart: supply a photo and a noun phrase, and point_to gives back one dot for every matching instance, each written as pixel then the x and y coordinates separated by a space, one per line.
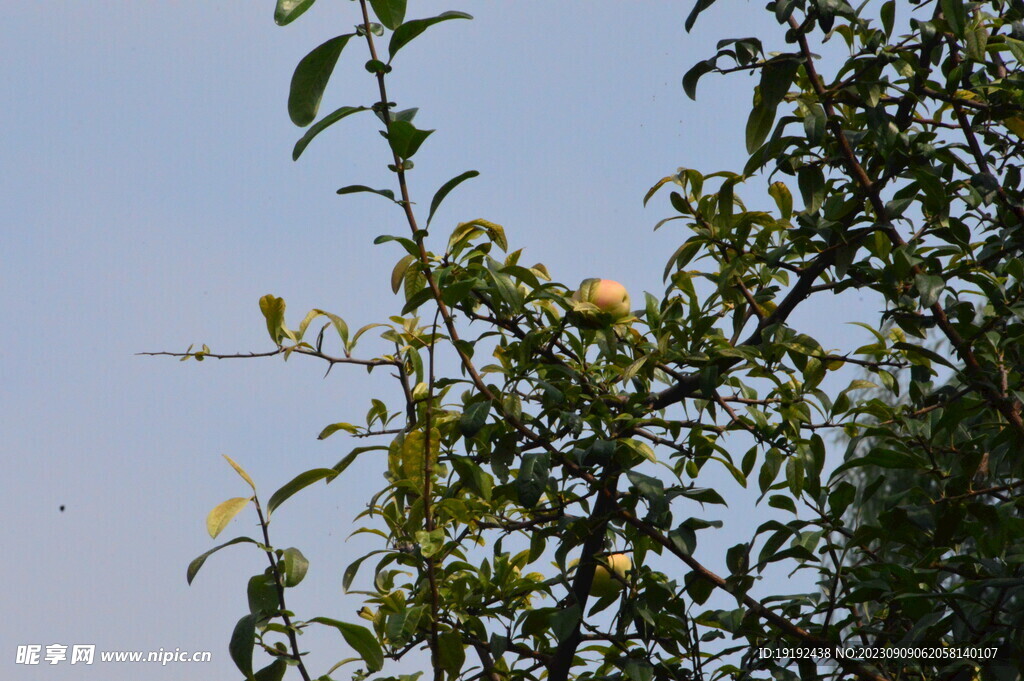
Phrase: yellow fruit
pixel 604 584
pixel 609 297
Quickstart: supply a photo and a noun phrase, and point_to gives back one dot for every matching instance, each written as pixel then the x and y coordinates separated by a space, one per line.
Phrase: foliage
pixel 895 174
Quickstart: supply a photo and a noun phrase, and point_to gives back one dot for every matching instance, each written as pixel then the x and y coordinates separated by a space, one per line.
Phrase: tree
pixel 568 431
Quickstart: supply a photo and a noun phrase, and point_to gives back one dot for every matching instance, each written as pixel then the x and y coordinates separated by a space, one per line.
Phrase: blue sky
pixel 149 200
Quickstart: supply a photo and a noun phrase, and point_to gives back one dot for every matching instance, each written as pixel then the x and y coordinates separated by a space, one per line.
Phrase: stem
pixel 428 511
pixel 279 585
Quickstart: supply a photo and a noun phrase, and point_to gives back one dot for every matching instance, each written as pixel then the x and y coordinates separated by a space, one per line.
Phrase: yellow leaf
pixel 240 471
pixel 223 514
pixel 1015 125
pixel 413 450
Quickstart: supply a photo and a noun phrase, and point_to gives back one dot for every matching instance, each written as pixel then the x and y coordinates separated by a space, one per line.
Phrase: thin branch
pixel 293 640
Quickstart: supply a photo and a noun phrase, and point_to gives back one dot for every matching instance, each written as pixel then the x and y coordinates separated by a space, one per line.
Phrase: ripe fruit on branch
pixel 604 583
pixel 599 301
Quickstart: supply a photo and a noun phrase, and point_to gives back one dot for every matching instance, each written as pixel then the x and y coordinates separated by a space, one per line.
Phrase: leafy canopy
pixel 893 467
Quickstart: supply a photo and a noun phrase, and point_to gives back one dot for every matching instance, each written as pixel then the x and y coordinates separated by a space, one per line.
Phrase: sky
pixel 149 200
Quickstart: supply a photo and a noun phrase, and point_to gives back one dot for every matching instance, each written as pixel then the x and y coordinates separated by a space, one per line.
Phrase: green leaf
pixel 685 539
pixel 506 289
pixel 759 124
pixel 273 671
pixel 390 12
pixel 238 469
pixel 193 567
pixel 451 653
pixel 976 41
pixel 929 286
pixel 955 13
pixel 398 273
pixel 445 189
pixel 814 124
pixel 888 16
pixel 334 428
pixel 704 495
pixel 353 568
pixel 882 459
pixel 495 232
pixel 430 542
pixel 640 448
pixel 224 513
pixel 361 640
pixel 783 502
pixel 532 479
pixel 474 418
pixel 243 638
pixel 310 80
pixel 322 125
pixel 405 139
pixel 563 621
pixel 262 595
pixel 288 11
pixel 698 7
pixel 841 497
pixel 698 588
pixel 473 477
pixel 657 185
pixel 693 75
pixel 776 77
pixel 417 299
pixel 299 482
pixel 811 181
pixel 408 31
pixel 295 566
pixel 356 188
pixel 339 324
pixel 351 456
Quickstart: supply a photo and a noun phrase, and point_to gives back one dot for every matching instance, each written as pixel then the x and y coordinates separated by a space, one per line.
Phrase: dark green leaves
pixel 759 124
pixel 694 74
pixel 929 286
pixel 273 671
pixel 262 595
pixel 698 7
pixel 776 77
pixel 322 125
pixel 445 189
pixel 451 653
pixel 310 79
pixel 390 12
pixel 811 181
pixel 405 139
pixel 408 31
pixel 532 479
pixel 474 418
pixel 243 638
pixel 288 11
pixel 955 13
